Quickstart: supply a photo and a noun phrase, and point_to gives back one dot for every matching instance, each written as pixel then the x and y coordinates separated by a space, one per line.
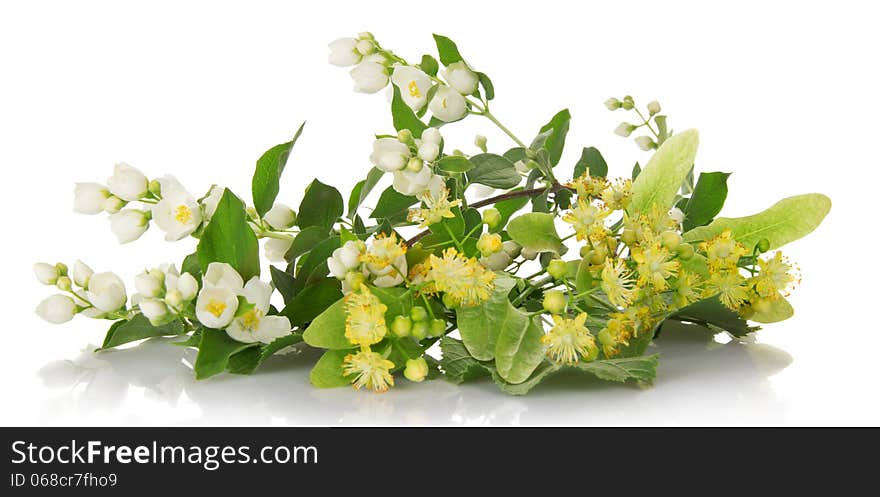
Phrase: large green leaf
pixel 393 205
pixel 519 349
pixel 786 221
pixel 403 116
pixel 555 140
pixel 458 365
pixel 248 360
pixel 362 189
pixel 493 170
pixel 535 231
pixel 312 301
pixel 659 181
pixel 707 200
pixel 454 164
pixel 640 369
pixel 229 238
pixel 215 349
pixel 138 328
pixel 264 185
pixel 480 325
pixel 305 241
pixel 779 310
pixel 327 372
pixel 321 206
pixel 447 50
pixel 591 161
pixel 712 314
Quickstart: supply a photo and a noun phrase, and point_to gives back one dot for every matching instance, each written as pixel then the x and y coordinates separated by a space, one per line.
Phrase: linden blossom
pixel 535 274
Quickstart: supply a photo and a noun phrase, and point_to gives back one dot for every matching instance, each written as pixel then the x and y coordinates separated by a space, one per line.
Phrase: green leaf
pixel 706 201
pixel 404 117
pixel 779 310
pixel 519 349
pixel 229 238
pixel 535 231
pixel 712 314
pixel 327 331
pixel 327 372
pixel 284 282
pixel 488 87
pixel 454 164
pixel 190 265
pixel 786 221
pixel 637 169
pixel 662 176
pixel 215 349
pixel 248 360
pixel 508 208
pixel 641 369
pixel 312 301
pixel 447 49
pixel 138 328
pixel 306 241
pixel 457 364
pixel 393 205
pixel 362 189
pixel 515 154
pixel 493 170
pixel 591 160
pixel 555 141
pixel 429 65
pixel 480 325
pixel 313 266
pixel 321 206
pixel 264 185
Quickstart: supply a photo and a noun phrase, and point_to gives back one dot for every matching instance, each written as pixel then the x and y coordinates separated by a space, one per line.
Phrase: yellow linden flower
pixel 654 266
pixel 687 289
pixel 617 283
pixel 435 210
pixel 723 252
pixel 383 252
pixel 569 338
pixel 776 276
pixel 587 220
pixel 365 320
pixel 617 195
pixel 373 371
pixel 730 288
pixel 615 333
pixel 464 280
pixel 658 220
pixel 589 186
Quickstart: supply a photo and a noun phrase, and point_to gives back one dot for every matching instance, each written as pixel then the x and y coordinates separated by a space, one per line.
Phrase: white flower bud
pixel 147 284
pixel 280 217
pixel 389 154
pixel 128 183
pixel 428 151
pixel 645 143
pixel 106 292
pixel 346 258
pixel 344 52
pixel 448 105
pixel 211 201
pixel 275 249
pixel 187 286
pixel 365 47
pixel 88 198
pixel 153 309
pixel 529 254
pixel 612 104
pixel 370 75
pixel 414 85
pixel 415 165
pixel 129 224
pixel 81 273
pixel 63 283
pixel 461 78
pixel 57 309
pixel 47 274
pixel 223 275
pixel 112 204
pixel 624 129
pixel 511 248
pixel 432 135
pixel 173 299
pixel 497 261
pixel 412 183
pixel 654 107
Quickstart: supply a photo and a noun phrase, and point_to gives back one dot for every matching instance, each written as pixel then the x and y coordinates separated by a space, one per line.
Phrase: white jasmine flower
pixel 254 325
pixel 389 154
pixel 386 261
pixel 221 274
pixel 428 151
pixel 412 183
pixel 344 52
pixel 435 189
pixel 414 85
pixel 448 105
pixel 370 75
pixel 153 309
pixel 187 285
pixel 211 200
pixel 149 283
pixel 106 292
pixel 346 258
pixel 461 78
pixel 432 135
pixel 168 183
pixel 177 214
pixel 81 273
pixel 216 306
pixel 129 224
pixel 57 309
pixel 275 249
pixel 47 274
pixel 88 198
pixel 127 182
pixel 280 217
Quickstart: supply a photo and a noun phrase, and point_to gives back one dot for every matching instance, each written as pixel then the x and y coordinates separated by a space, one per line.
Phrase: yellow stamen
pixel 414 90
pixel 216 307
pixel 182 214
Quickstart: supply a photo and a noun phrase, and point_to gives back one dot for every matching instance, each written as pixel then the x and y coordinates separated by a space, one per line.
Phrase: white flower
pixel 47 274
pixel 57 309
pixel 153 309
pixel 167 184
pixel 346 258
pixel 254 325
pixel 129 224
pixel 106 292
pixel 428 151
pixel 434 190
pixel 389 154
pixel 216 306
pixel 414 85
pixel 149 283
pixel 412 183
pixel 280 217
pixel 221 274
pixel 88 198
pixel 211 200
pixel 386 260
pixel 370 75
pixel 432 135
pixel 187 285
pixel 461 78
pixel 448 105
pixel 81 273
pixel 177 214
pixel 344 52
pixel 365 47
pixel 275 249
pixel 624 129
pixel 127 182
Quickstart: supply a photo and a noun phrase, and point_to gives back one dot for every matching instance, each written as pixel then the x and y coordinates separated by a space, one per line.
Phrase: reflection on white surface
pixel 700 381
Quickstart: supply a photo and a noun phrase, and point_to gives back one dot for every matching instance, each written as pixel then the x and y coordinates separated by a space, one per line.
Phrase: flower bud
pixel 365 47
pixel 404 136
pixel 685 251
pixel 599 254
pixel 511 248
pixel 612 104
pixel 280 217
pixel 554 301
pixel 153 309
pixel 106 292
pixel 628 237
pixel 489 243
pixel 491 217
pixel 416 369
pixel 438 327
pixel 480 142
pixel 112 204
pixel 155 187
pixel 415 164
pixel 354 279
pixel 670 240
pixel 418 314
pixel 763 245
pixel 63 283
pixel 557 269
pixel 401 326
pixel 57 309
pixel 628 103
pixel 187 286
pixel 81 273
pixel 529 254
pixel 365 35
pixel 173 298
pixel 624 129
pixel 654 107
pixel 645 143
pixel 497 261
pixel 432 135
pixel 88 198
pixel 148 284
pixel 428 151
pixel 606 338
pixel 420 330
pixel 46 274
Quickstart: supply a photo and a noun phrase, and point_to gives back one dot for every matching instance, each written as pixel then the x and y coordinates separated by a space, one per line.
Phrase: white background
pixel 785 96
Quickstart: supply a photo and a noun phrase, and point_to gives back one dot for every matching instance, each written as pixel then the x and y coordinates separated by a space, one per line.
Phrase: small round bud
pixel 480 142
pixel 628 103
pixel 585 251
pixel 612 104
pixel 763 245
pixel 605 337
pixel 450 302
pixel 354 279
pixel 420 330
pixel 112 204
pixel 685 251
pixel 401 326
pixel 438 327
pixel 63 283
pixel 557 269
pixel 654 107
pixel 47 274
pixel 670 240
pixel 491 217
pixel 155 188
pixel 529 254
pixel 415 165
pixel 645 143
pixel 416 369
pixel 418 314
pixel 628 237
pixel 612 244
pixel 554 301
pixel 365 47
pixel 404 136
pixel 428 151
pixel 489 243
pixel 624 129
pixel 511 248
pixel 62 268
pixel 496 261
pixel 600 253
pixel 458 153
pixel 174 298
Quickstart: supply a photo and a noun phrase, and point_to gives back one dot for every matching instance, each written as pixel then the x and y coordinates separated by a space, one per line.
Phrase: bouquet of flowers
pixel 548 271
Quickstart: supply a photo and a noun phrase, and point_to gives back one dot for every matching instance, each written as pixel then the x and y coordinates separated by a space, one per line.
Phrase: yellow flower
pixel 373 371
pixel 617 195
pixel 589 186
pixel 435 210
pixel 723 252
pixel 569 338
pixel 463 280
pixel 386 254
pixel 687 289
pixel 654 266
pixel 730 288
pixel 365 320
pixel 776 276
pixel 616 332
pixel 587 221
pixel 489 243
pixel 617 283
